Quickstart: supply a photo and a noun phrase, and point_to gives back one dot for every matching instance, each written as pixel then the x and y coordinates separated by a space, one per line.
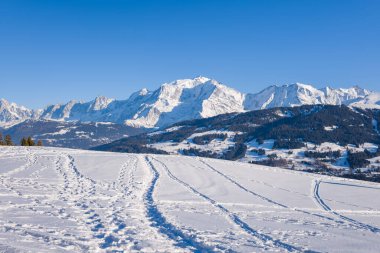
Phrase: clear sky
pixel 55 50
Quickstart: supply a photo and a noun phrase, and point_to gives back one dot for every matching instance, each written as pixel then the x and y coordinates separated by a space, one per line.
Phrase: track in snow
pixel 61 200
pixel 321 216
pixel 325 207
pixel 263 240
pixel 242 187
pixel 158 220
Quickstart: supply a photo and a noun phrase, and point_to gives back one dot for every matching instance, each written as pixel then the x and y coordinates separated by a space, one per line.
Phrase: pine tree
pixel 30 141
pixel 39 143
pixel 24 142
pixel 1 140
pixel 8 140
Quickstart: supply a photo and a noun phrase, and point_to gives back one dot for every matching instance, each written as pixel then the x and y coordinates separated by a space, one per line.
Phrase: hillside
pixel 66 200
pixel 335 140
pixel 72 134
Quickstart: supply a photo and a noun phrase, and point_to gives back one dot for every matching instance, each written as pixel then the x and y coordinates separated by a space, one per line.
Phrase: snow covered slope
pixel 70 134
pixel 302 94
pixel 286 137
pixel 11 113
pixel 186 99
pixel 73 110
pixel 370 101
pixel 172 102
pixel 61 200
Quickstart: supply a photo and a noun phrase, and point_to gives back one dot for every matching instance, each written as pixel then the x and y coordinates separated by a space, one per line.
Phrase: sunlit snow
pixel 62 200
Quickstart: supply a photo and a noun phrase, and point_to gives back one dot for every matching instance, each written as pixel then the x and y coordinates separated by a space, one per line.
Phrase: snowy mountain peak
pixel 202 79
pixel 187 99
pixel 307 93
pixel 299 86
pixel 139 94
pixel 187 83
pixel 355 91
pixel 6 104
pixel 285 95
pixel 301 94
pixel 11 113
pixel 100 103
pixel 3 101
pixel 143 92
pixel 372 101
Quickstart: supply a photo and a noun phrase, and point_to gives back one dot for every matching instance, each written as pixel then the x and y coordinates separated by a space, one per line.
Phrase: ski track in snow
pixel 325 207
pixel 253 193
pixel 242 187
pixel 263 240
pixel 181 239
pixel 346 221
pixel 51 201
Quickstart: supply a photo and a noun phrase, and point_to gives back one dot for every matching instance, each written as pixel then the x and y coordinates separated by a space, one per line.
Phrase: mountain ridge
pixel 187 99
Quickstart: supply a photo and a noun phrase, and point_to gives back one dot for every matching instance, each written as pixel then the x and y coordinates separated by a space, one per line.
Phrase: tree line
pixel 25 141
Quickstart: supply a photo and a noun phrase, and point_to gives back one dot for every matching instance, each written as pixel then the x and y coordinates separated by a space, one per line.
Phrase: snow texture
pixel 62 200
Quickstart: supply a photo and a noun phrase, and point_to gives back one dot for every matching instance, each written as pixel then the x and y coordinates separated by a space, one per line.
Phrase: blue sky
pixel 52 51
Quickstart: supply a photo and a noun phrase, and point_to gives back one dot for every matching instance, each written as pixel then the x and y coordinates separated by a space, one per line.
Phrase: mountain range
pixel 186 99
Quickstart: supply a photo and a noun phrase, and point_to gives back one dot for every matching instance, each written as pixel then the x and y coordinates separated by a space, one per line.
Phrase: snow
pixel 369 146
pixel 305 94
pixel 330 128
pixel 100 103
pixel 11 113
pixel 371 101
pixel 172 129
pixel 60 132
pixel 155 133
pixel 64 200
pixel 266 145
pixel 167 130
pixel 103 123
pixel 216 145
pixel 228 133
pixel 187 99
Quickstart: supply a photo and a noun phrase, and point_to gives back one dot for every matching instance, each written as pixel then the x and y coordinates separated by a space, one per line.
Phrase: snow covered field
pixel 62 200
